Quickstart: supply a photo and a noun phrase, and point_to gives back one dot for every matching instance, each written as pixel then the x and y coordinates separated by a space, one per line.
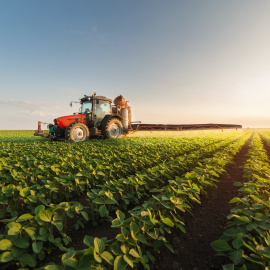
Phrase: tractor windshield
pixel 87 107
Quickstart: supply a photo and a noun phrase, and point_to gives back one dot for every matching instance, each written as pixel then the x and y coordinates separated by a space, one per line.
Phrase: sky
pixel 175 61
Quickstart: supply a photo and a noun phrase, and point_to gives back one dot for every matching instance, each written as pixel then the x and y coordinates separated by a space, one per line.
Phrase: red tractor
pixel 97 117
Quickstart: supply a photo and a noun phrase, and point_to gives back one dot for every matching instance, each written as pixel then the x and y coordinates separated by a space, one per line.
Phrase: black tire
pixel 77 132
pixel 113 129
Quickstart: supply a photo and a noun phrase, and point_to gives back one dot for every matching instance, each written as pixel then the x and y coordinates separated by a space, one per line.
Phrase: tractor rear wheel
pixel 113 129
pixel 77 132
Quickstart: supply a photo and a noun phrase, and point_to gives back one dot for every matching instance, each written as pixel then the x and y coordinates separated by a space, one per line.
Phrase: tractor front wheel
pixel 77 132
pixel 113 129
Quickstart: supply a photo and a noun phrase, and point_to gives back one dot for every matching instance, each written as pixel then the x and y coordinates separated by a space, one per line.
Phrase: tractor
pixel 97 117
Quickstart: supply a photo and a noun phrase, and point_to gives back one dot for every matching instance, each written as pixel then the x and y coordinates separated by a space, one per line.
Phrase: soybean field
pixel 176 200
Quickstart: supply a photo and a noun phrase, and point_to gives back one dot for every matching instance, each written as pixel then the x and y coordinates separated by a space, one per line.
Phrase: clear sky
pixel 176 61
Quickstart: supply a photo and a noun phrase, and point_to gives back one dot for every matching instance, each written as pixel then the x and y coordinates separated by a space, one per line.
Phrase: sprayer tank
pixel 125 118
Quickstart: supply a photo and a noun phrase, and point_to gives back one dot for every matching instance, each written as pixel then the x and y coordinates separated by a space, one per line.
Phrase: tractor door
pixel 101 108
pixel 87 110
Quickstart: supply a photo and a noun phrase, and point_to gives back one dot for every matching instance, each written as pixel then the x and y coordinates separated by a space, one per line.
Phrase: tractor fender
pixel 106 119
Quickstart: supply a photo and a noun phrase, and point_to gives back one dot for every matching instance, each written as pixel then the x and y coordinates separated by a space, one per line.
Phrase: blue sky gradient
pixel 175 61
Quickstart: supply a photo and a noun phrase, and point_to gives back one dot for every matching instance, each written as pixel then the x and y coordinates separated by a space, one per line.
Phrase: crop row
pixel 146 226
pixel 246 242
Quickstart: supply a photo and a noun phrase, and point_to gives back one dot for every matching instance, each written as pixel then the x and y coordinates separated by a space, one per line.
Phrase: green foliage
pixel 41 182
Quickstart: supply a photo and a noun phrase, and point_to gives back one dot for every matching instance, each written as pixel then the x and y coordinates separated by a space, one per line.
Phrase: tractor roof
pixel 88 98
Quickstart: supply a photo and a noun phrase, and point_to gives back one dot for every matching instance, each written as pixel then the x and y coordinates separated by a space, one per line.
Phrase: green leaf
pixel 41 255
pixel 228 267
pixel 6 256
pixel 128 259
pixel 220 245
pixel 169 246
pixel 236 256
pixel 17 252
pixel 99 245
pixel 231 232
pixel 125 232
pixel 243 219
pixel 32 198
pixel 30 231
pixel 24 217
pixel 116 223
pixel 152 234
pixel 43 200
pixel 141 238
pixel 238 242
pixel 134 229
pixel 150 217
pixel 59 225
pixel 37 246
pixel 5 244
pixel 21 242
pixel 45 215
pixel 249 247
pixel 107 256
pixel 14 228
pixel 134 253
pixel 119 263
pixel 168 222
pixel 85 261
pixel 261 217
pixel 57 217
pixel 124 248
pixel 264 226
pixel 38 209
pixel 251 226
pixel 43 230
pixel 25 191
pixel 85 215
pixel 69 260
pixel 102 210
pixel 43 237
pixel 120 215
pixel 97 257
pixel 27 259
pixel 110 201
pixel 115 248
pixel 98 201
pixel 89 240
pixel 120 238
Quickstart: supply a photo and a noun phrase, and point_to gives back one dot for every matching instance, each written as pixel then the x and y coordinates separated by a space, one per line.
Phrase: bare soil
pixel 192 250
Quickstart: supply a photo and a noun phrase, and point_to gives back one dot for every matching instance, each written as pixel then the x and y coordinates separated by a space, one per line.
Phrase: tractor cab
pixel 95 108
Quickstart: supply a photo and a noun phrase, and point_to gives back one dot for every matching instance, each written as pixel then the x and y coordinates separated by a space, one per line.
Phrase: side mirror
pixel 70 104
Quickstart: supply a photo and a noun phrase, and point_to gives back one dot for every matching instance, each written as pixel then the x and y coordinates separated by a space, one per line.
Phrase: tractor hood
pixel 65 121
